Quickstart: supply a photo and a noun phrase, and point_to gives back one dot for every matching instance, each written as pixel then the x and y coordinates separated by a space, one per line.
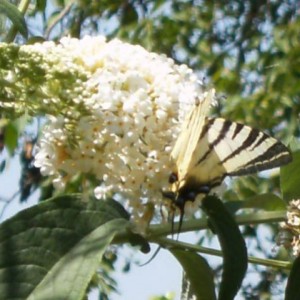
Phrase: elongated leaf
pixel 292 291
pixel 69 277
pixel 12 130
pixel 2 166
pixel 268 201
pixel 129 14
pixel 198 273
pixel 12 12
pixel 41 5
pixel 290 178
pixel 11 137
pixel 232 244
pixel 51 251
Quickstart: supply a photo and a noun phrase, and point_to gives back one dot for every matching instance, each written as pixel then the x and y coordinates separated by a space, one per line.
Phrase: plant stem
pixel 157 233
pixel 200 224
pixel 169 243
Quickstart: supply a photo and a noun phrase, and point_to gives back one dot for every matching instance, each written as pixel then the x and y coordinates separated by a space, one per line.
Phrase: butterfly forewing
pixel 187 143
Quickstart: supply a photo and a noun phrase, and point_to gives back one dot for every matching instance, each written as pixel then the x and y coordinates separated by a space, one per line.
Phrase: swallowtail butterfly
pixel 209 149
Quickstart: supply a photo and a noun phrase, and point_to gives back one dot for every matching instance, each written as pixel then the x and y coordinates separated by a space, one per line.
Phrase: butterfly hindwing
pixel 215 148
pixel 243 150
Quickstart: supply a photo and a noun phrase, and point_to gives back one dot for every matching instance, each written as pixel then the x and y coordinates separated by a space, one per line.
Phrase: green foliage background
pixel 248 50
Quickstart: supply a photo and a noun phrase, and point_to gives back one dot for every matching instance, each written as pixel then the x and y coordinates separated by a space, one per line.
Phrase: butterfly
pixel 209 149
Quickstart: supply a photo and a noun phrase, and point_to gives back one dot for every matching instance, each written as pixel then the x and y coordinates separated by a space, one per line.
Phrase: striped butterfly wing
pixel 183 153
pixel 217 147
pixel 229 148
pixel 207 150
pixel 244 150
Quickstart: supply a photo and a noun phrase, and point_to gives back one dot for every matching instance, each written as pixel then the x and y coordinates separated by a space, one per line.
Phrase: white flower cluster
pixel 290 230
pixel 136 104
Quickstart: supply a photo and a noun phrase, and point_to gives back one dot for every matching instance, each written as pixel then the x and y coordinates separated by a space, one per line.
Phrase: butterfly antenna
pixel 180 220
pixel 172 223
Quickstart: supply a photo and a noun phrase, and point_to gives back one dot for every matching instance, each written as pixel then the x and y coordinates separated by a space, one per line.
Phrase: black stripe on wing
pixel 219 138
pixel 249 141
pixel 237 130
pixel 273 153
pixel 275 156
pixel 260 140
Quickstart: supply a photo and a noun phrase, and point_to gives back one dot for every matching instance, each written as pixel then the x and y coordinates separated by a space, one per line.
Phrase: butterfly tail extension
pixel 181 215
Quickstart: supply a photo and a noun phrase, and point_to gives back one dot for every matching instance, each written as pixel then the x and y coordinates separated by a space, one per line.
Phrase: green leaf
pixel 55 247
pixel 290 178
pixel 129 15
pixel 232 244
pixel 198 273
pixel 294 144
pixel 41 5
pixel 35 39
pixel 292 291
pixel 11 137
pixel 2 166
pixel 70 276
pixel 268 201
pixel 13 129
pixel 12 12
